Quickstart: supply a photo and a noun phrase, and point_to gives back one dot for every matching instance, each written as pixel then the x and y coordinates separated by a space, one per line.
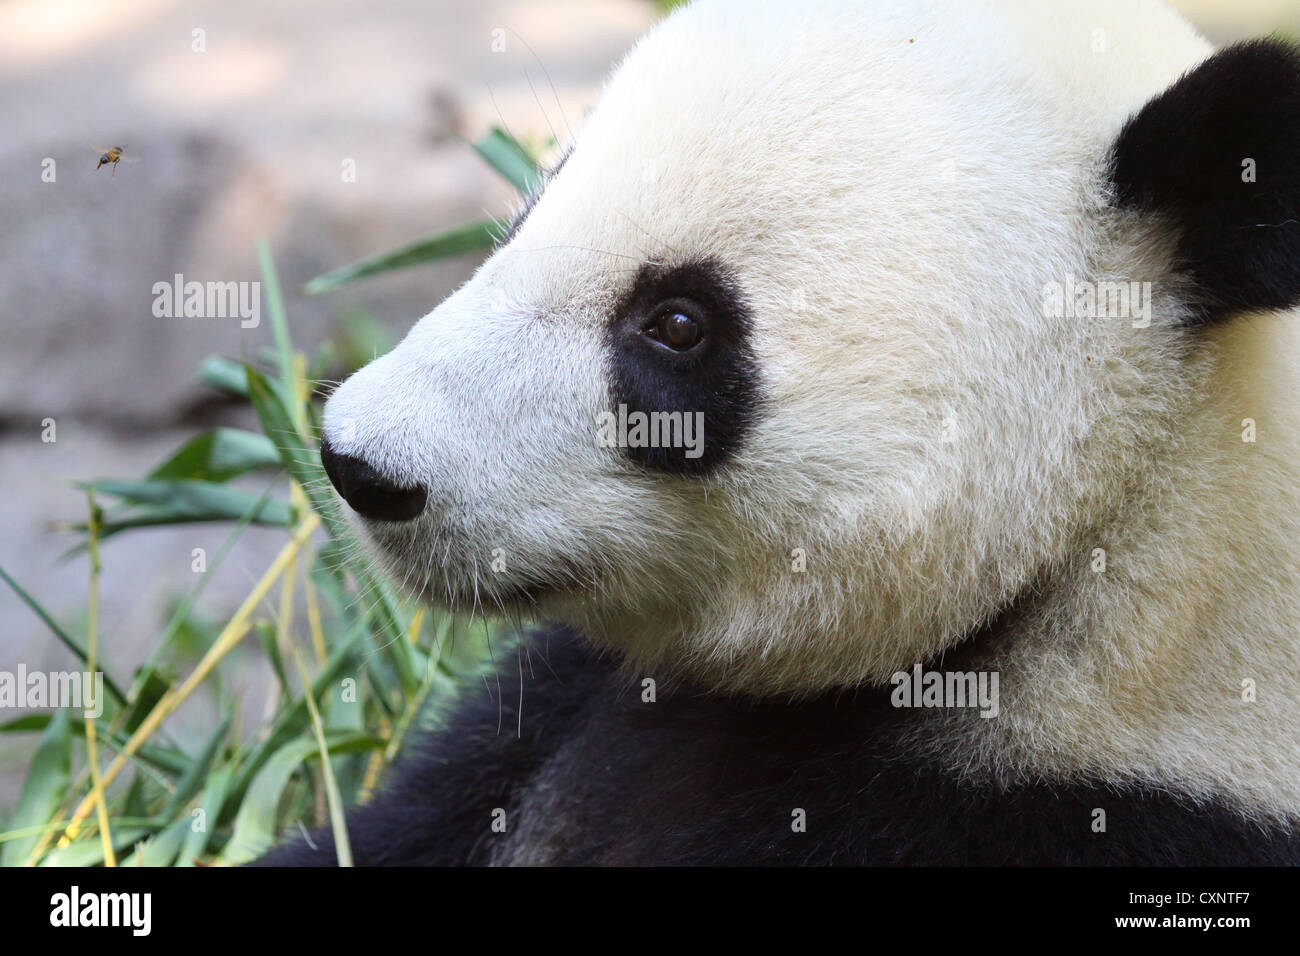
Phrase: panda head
pixel 843 250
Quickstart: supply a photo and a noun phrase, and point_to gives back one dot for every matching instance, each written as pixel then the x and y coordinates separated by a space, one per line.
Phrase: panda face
pixel 822 245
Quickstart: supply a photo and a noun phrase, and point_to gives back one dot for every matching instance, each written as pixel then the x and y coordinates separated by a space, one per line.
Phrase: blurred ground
pixel 245 138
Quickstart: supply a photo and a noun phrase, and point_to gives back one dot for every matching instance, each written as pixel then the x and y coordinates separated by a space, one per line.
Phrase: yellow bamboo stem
pixel 334 799
pixel 92 653
pixel 313 618
pixel 417 622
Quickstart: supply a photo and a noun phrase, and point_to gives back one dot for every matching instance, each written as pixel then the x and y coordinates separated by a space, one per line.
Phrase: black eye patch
pixel 687 408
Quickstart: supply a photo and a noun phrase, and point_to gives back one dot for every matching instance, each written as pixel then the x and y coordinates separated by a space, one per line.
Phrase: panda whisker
pixel 497 109
pixel 519 706
pixel 669 246
pixel 538 100
pixel 547 74
pixel 603 252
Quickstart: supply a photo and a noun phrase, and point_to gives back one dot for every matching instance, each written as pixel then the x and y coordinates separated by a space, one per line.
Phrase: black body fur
pixel 599 777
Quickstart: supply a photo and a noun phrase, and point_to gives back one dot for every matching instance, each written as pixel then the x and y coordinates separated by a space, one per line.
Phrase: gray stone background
pixel 246 139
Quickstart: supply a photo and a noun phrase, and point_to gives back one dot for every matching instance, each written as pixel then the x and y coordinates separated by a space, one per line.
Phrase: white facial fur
pixel 892 186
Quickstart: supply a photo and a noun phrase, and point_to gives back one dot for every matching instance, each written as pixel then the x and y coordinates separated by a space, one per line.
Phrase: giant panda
pixel 980 308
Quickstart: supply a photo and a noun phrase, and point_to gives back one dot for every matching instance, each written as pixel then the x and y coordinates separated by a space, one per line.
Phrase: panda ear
pixel 1218 155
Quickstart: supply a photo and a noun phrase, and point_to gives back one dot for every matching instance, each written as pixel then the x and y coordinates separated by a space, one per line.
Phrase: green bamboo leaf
pixel 90 851
pixel 347 716
pixel 161 849
pixel 508 157
pixel 197 771
pixel 505 155
pixel 329 574
pixel 333 797
pixel 183 501
pixel 279 321
pixel 163 760
pixel 219 455
pixel 203 818
pixel 268 637
pixel 303 463
pixel 275 514
pixel 255 823
pixel 42 793
pixel 26 724
pixel 134 804
pixel 229 376
pixel 148 689
pixel 224 374
pixel 459 240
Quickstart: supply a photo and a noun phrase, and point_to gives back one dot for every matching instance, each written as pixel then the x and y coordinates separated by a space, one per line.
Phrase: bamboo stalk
pixel 333 798
pixel 92 652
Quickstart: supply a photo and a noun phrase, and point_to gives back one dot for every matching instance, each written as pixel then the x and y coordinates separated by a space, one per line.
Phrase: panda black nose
pixel 367 492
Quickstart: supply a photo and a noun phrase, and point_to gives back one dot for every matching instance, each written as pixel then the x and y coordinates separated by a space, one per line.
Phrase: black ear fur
pixel 1184 155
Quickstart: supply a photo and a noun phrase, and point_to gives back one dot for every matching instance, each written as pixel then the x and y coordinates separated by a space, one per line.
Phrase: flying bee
pixel 112 155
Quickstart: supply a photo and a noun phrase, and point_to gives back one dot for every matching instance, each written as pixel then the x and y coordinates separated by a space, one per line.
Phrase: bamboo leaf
pixel 219 455
pixel 203 818
pixel 162 848
pixel 508 157
pixel 26 724
pixel 279 322
pixel 64 637
pixel 91 852
pixel 266 635
pixel 148 689
pixel 303 464
pixel 457 241
pixel 192 779
pixel 43 791
pixel 163 760
pixel 224 374
pixel 184 501
pixel 255 823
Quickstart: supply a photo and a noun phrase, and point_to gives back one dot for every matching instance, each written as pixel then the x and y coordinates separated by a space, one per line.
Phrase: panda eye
pixel 674 329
